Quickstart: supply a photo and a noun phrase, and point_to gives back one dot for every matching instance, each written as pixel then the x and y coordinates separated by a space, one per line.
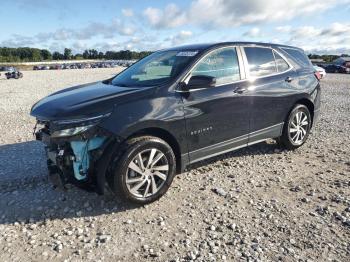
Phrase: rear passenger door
pixel 271 77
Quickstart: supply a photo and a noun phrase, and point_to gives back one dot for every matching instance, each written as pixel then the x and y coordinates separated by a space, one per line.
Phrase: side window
pixel 299 56
pixel 221 64
pixel 281 64
pixel 261 61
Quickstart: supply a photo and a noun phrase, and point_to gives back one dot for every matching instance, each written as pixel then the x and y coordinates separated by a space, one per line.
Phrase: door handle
pixel 289 79
pixel 239 90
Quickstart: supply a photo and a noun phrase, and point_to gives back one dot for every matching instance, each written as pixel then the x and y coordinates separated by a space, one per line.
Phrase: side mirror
pixel 201 81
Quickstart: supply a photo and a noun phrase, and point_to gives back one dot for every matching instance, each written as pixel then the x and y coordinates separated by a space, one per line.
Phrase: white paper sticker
pixel 187 53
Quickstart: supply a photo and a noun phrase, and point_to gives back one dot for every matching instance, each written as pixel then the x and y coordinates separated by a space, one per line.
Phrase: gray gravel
pixel 256 204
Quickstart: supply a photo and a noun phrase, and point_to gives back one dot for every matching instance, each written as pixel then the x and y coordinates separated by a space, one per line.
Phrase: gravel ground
pixel 255 204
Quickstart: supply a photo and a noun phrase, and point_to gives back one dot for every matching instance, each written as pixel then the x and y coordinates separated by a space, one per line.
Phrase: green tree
pixel 67 53
pixel 57 56
pixel 86 54
pixel 45 54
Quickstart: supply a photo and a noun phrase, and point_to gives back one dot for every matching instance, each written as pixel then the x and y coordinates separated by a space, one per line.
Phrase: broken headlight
pixel 71 131
pixel 64 128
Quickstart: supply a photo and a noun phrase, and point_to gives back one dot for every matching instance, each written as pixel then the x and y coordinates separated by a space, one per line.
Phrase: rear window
pixel 261 61
pixel 281 64
pixel 299 56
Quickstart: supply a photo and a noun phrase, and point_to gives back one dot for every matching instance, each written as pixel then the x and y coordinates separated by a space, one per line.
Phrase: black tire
pixel 120 170
pixel 286 140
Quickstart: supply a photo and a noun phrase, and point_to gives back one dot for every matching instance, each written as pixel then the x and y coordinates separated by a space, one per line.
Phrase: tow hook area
pixel 81 150
pixel 56 177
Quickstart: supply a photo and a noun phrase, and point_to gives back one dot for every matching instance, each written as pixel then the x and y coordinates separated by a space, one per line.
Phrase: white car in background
pixel 321 71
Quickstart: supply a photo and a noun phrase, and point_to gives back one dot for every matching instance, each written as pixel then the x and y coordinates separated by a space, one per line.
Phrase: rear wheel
pixel 297 127
pixel 144 172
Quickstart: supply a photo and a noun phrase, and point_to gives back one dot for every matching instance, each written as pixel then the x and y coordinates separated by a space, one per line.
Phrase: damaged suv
pixel 135 131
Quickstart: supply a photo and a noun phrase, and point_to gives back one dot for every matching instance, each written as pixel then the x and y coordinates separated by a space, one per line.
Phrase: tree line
pixel 27 54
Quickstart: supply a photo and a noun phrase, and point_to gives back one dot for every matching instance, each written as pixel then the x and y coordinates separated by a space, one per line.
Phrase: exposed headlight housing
pixel 71 131
pixel 72 127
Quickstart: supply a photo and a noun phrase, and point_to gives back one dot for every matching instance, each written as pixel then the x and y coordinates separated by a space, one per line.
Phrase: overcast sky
pixel 317 26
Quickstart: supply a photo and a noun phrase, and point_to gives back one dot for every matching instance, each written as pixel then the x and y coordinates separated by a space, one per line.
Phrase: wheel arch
pixel 167 137
pixel 309 104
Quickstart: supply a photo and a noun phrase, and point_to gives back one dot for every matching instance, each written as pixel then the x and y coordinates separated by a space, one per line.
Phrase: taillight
pixel 318 75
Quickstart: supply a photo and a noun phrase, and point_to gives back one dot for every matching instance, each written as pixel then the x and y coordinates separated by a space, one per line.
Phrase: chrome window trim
pixel 291 67
pixel 186 78
pixel 296 49
pixel 243 66
pixel 197 89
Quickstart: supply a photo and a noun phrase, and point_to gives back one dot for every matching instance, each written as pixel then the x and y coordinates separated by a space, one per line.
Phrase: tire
pixel 129 182
pixel 295 132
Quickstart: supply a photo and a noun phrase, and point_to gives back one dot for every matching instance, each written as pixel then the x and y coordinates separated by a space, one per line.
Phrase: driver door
pixel 217 117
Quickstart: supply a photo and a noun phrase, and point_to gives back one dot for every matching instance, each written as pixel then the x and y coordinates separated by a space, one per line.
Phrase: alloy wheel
pixel 147 173
pixel 298 127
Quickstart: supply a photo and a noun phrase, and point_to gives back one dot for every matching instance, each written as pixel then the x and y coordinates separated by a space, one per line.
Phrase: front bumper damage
pixel 81 160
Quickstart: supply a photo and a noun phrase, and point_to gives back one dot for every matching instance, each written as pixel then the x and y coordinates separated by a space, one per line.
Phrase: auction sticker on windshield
pixel 187 53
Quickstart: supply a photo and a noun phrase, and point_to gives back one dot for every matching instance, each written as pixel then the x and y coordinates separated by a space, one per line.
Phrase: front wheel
pixel 297 127
pixel 144 171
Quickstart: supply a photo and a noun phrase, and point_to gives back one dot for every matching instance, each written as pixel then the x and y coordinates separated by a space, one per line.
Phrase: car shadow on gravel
pixel 27 196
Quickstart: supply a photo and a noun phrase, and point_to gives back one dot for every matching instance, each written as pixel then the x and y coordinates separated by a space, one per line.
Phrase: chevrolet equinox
pixel 175 107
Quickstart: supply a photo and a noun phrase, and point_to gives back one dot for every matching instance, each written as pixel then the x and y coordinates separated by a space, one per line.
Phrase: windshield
pixel 155 69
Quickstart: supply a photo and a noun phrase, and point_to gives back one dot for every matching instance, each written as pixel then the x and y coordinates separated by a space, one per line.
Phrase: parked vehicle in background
pixel 321 71
pixel 322 65
pixel 337 69
pixel 14 74
pixel 342 61
pixel 84 65
pixel 175 107
pixel 7 68
pixel 55 67
pixel 38 67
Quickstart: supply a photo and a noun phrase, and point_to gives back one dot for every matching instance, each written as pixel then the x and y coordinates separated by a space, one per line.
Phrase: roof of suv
pixel 205 46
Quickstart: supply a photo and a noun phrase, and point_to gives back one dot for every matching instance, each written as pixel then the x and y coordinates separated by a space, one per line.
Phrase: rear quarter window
pixel 299 56
pixel 261 61
pixel 281 64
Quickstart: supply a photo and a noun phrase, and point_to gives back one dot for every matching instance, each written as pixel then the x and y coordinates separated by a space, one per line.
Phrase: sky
pixel 321 27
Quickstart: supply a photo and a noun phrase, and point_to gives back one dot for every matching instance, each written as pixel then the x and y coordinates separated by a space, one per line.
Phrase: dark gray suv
pixel 175 107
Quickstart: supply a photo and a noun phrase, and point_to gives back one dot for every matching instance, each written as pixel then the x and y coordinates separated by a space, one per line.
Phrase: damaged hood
pixel 80 102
